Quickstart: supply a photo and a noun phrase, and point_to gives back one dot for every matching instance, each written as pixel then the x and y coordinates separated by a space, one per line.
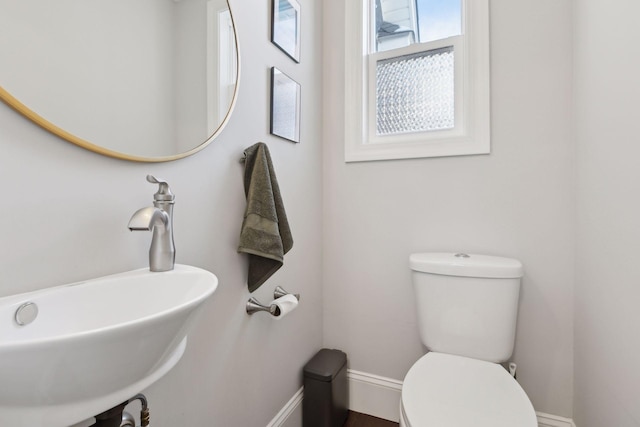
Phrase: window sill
pixel 397 150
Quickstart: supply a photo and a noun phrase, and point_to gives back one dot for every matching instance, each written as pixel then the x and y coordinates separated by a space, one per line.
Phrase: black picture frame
pixel 285 106
pixel 285 27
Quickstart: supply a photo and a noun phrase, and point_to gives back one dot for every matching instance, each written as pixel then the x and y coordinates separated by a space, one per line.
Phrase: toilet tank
pixel 467 304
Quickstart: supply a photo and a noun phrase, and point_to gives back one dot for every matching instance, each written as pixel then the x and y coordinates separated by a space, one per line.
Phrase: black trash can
pixel 326 392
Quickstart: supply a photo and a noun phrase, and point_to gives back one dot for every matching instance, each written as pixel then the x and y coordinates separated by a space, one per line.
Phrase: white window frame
pixel 471 134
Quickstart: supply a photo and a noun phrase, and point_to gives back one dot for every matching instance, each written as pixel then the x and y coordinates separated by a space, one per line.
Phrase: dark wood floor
pixel 357 419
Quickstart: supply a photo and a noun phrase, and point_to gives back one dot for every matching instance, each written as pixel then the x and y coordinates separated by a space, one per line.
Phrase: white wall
pixel 517 202
pixel 607 60
pixel 64 213
pixel 127 72
pixel 190 71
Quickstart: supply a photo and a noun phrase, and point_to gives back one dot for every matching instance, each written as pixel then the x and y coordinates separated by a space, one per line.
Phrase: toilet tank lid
pixel 466 265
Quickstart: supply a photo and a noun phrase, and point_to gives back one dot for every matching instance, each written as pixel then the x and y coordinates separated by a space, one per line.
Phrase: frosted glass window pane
pixel 415 93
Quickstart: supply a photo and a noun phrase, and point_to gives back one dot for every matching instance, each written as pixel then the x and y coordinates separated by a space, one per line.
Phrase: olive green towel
pixel 265 233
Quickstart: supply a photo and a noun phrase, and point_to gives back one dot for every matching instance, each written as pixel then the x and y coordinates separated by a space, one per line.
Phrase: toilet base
pixel 403 420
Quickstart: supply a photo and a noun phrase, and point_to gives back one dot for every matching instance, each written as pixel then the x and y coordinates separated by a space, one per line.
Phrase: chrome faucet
pixel 158 219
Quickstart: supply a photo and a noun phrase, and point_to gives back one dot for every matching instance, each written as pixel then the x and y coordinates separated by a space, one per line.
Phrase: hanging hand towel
pixel 265 233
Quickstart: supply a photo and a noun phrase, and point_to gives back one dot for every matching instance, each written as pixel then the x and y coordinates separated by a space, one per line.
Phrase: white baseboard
pixel 547 420
pixel 378 396
pixel 374 395
pixel 291 414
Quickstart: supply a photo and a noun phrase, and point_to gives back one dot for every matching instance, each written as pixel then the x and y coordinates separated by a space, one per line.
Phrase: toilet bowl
pixel 467 307
pixel 455 391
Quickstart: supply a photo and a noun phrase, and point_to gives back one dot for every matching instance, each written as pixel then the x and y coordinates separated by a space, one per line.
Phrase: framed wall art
pixel 285 106
pixel 285 27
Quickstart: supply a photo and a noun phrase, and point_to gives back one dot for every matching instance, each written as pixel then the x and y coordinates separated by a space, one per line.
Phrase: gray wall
pixel 517 202
pixel 65 210
pixel 133 90
pixel 607 341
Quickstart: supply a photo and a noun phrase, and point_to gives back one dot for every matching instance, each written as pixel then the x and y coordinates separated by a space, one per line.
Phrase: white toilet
pixel 467 310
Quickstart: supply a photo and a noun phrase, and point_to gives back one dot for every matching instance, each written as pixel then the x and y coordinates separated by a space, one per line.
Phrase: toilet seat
pixel 454 391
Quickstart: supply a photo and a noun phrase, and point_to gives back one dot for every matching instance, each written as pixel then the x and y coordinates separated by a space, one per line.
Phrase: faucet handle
pixel 164 192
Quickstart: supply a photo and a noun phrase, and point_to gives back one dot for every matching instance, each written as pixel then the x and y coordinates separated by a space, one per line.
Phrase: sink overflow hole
pixel 26 313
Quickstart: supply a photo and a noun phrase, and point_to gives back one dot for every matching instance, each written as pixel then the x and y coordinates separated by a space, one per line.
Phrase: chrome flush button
pixel 26 313
pixel 461 255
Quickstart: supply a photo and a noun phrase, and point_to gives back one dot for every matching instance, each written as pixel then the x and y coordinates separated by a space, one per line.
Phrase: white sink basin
pixel 94 344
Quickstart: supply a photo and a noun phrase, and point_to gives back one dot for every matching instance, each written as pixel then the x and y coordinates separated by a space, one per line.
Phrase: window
pixel 417 78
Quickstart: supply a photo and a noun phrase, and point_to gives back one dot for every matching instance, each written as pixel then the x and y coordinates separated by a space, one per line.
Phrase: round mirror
pixel 143 80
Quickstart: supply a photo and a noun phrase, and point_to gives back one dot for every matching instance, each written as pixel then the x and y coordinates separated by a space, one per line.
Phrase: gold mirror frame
pixel 21 108
pixel 61 133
